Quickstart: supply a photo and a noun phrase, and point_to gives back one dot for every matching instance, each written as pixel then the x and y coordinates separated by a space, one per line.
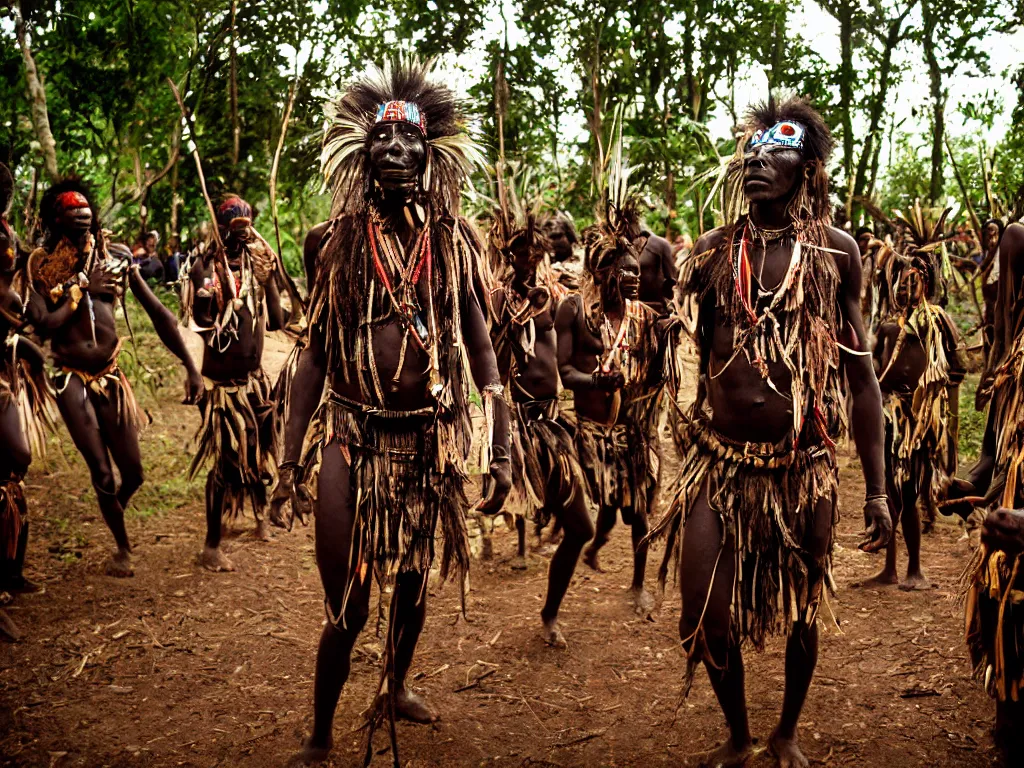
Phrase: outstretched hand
pixel 102 282
pixel 877 525
pixel 194 388
pixel 609 381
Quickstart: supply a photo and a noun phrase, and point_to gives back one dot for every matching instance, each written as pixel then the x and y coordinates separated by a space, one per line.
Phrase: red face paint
pixel 70 200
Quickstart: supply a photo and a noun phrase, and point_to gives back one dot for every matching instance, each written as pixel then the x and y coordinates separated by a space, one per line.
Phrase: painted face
pixel 622 275
pixel 773 162
pixel 557 232
pixel 397 155
pixel 73 213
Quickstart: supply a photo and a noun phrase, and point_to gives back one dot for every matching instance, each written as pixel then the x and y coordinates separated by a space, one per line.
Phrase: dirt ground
pixel 181 667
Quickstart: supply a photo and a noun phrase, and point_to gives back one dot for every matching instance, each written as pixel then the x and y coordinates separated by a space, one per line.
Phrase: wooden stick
pixel 293 291
pixel 206 195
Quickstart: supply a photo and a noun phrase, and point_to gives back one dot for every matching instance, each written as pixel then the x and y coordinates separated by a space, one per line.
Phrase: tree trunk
pixel 175 236
pixel 236 129
pixel 938 96
pixel 869 152
pixel 37 99
pixel 846 79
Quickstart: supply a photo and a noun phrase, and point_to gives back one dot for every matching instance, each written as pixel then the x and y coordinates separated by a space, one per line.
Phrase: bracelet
pixel 876 497
pixel 494 389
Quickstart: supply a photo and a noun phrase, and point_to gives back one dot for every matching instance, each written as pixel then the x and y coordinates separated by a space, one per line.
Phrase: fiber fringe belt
pixel 765 497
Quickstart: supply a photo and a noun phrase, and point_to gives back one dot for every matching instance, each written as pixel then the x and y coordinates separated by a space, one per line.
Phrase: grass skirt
pixel 765 497
pixel 238 436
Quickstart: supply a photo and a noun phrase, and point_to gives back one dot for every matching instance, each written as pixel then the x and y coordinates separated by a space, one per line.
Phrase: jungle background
pixel 907 85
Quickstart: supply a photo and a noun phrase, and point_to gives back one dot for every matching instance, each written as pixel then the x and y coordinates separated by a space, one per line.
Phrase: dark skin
pixel 658 274
pixel 16 454
pixel 745 408
pixel 562 240
pixel 242 357
pixel 903 376
pixel 594 394
pixel 1009 312
pixel 397 155
pixel 104 439
pixel 537 379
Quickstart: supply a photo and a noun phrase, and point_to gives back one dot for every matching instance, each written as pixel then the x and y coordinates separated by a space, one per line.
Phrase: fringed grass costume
pixel 619 458
pixel 240 431
pixel 543 455
pixel 766 495
pixel 33 396
pixel 238 435
pixel 408 468
pixel 920 426
pixel 993 582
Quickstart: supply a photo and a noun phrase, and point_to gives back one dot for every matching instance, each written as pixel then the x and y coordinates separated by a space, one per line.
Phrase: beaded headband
pixel 784 134
pixel 401 112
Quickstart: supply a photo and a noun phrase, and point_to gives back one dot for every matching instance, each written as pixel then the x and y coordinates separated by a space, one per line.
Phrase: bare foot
pixel 642 602
pixel 915 581
pixel 728 756
pixel 412 707
pixel 552 634
pixel 214 560
pixel 519 563
pixel 8 629
pixel 309 754
pixel 882 579
pixel 590 558
pixel 787 752
pixel 262 531
pixel 120 565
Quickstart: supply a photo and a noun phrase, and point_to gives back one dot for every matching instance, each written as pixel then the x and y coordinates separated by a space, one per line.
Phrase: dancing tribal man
pixel 27 410
pixel 545 471
pixel 779 323
pixel 74 282
pixel 230 298
pixel 397 332
pixel 613 354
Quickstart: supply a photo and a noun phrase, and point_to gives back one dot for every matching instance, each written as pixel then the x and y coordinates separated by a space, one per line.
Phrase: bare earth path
pixel 179 666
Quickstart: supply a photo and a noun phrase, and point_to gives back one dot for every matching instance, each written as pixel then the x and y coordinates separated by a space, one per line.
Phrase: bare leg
pixel 801 651
pixel 212 557
pixel 574 519
pixel 333 519
pixel 606 519
pixel 79 414
pixel 706 576
pixel 122 440
pixel 641 598
pixel 911 523
pixel 519 563
pixel 15 457
pixel 409 612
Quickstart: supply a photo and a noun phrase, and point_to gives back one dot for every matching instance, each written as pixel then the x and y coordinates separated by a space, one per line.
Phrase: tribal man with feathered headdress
pixel 779 323
pixel 613 353
pixel 27 411
pixel 545 470
pixel 917 357
pixel 397 333
pixel 229 296
pixel 74 280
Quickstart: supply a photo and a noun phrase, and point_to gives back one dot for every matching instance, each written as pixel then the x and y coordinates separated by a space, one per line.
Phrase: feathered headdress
pixel 515 223
pixel 617 226
pixel 401 91
pixel 923 251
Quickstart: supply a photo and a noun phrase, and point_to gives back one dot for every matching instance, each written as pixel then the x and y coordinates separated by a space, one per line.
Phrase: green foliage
pixel 972 423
